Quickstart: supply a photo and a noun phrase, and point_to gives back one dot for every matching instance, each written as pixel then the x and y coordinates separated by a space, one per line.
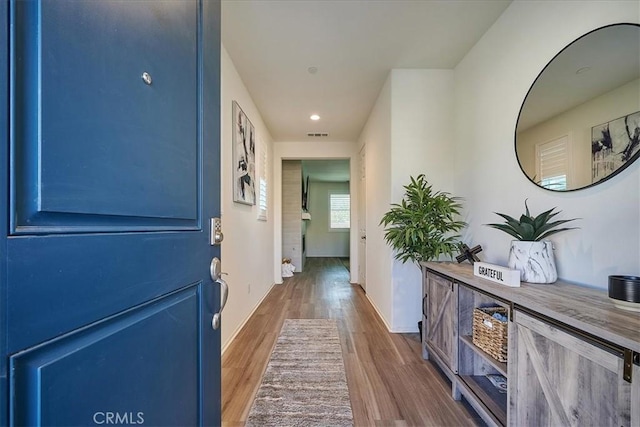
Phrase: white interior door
pixel 362 223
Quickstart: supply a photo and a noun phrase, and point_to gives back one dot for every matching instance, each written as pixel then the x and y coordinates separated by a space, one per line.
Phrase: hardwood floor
pixel 389 382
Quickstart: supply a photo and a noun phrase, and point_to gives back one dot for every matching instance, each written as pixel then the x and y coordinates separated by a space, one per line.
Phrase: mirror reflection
pixel 579 124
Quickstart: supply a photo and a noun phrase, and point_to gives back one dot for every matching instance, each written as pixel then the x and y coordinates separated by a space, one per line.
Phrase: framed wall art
pixel 614 145
pixel 244 158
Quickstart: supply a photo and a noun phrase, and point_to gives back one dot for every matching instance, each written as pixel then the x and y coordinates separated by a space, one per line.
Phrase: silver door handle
pixel 224 292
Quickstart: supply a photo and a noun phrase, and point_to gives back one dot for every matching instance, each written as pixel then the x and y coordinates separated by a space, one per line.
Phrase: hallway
pixel 389 382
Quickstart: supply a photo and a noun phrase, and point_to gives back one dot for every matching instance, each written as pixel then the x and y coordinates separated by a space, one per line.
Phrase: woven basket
pixel 490 334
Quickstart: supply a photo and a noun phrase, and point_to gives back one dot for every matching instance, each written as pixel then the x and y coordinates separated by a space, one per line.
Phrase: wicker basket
pixel 489 333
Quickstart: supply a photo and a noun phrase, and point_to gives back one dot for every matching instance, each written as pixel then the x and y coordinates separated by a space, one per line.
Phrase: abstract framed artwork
pixel 614 146
pixel 244 158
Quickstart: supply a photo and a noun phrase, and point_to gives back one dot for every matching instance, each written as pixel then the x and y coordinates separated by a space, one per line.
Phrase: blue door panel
pixel 137 365
pixel 105 200
pixel 101 140
pixel 81 279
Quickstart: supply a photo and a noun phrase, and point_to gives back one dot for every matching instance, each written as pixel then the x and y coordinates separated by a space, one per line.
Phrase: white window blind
pixel 262 183
pixel 552 165
pixel 339 211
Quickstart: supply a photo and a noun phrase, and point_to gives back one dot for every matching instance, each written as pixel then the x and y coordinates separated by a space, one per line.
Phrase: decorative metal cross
pixel 469 254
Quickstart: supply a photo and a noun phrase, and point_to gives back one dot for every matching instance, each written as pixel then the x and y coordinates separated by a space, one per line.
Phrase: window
pixel 552 163
pixel 261 201
pixel 339 211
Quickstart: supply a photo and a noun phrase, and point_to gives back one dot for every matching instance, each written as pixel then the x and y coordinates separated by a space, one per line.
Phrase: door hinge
pixel 216 237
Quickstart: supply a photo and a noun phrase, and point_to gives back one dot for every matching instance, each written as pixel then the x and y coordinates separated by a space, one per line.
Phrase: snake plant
pixel 530 228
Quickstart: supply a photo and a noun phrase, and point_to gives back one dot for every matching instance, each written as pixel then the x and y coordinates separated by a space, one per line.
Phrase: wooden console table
pixel 573 357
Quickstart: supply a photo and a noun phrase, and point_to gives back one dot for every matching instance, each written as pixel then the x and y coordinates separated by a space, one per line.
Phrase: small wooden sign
pixel 497 273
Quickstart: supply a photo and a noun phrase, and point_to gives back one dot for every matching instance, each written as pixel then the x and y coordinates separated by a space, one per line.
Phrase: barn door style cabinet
pixel 441 320
pixel 579 385
pixel 573 358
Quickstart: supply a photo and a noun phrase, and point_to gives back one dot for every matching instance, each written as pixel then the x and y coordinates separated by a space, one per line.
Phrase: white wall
pixel 422 140
pixel 490 85
pixel 248 244
pixel 320 241
pixel 304 151
pixel 376 135
pixel 409 132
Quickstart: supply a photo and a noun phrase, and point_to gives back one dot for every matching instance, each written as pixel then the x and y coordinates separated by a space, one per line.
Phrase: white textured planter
pixel 534 260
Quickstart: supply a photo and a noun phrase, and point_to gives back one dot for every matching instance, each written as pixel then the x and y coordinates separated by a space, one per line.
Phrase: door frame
pixel 4 207
pixel 362 217
pixel 302 151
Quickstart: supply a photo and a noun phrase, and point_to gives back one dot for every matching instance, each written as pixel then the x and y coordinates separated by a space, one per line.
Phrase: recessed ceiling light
pixel 315 117
pixel 583 70
pixel 312 70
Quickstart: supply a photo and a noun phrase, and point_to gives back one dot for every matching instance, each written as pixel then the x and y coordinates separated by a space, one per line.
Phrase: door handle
pixel 215 270
pixel 224 290
pixel 424 306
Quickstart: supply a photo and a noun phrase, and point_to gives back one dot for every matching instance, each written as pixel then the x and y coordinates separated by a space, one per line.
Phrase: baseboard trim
pixel 239 328
pixel 380 316
pixel 406 330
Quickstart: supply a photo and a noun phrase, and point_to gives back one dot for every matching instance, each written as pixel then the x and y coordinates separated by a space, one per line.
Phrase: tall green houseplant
pixel 424 225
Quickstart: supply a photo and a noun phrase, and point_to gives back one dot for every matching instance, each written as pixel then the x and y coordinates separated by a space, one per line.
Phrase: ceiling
pixel 593 65
pixel 352 45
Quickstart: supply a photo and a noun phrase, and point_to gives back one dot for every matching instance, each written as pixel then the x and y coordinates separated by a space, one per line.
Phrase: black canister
pixel 625 288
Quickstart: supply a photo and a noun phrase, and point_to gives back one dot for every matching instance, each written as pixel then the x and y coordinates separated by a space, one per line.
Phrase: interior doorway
pixel 327 204
pixel 329 151
pixel 316 210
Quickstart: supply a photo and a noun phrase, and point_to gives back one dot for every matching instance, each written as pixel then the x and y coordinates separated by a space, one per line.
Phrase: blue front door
pixel 109 113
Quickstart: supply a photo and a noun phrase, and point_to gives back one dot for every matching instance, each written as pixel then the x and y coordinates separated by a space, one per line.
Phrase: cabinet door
pixel 442 319
pixel 558 379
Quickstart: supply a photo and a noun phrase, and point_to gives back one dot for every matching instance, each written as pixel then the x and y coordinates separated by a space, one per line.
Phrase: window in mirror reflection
pixel 552 163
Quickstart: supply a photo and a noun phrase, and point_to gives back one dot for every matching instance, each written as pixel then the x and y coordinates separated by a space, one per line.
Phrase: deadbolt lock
pixel 216 232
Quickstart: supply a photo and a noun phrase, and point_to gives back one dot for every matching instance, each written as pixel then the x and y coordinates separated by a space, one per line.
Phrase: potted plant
pixel 424 224
pixel 530 252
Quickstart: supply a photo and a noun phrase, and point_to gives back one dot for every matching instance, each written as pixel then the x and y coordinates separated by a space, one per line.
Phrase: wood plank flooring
pixel 389 382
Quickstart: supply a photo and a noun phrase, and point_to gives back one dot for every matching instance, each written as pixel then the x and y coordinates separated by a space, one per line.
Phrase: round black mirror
pixel 579 124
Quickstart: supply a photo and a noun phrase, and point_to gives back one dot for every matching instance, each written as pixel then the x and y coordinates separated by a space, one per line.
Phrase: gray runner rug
pixel 305 382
